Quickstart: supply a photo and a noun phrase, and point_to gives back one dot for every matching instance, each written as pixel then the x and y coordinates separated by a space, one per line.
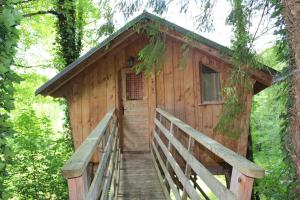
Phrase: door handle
pixel 123 110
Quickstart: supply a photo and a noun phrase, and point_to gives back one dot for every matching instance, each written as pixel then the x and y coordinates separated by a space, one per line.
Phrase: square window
pixel 210 84
pixel 134 86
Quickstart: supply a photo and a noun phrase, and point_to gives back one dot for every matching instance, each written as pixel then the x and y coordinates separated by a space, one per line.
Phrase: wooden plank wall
pixel 178 92
pixel 95 90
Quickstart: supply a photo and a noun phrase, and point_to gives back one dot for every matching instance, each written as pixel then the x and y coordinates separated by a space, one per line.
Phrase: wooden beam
pixel 169 147
pixel 115 170
pixel 76 165
pixel 97 184
pixel 166 173
pixel 78 187
pixel 216 186
pixel 180 174
pixel 187 166
pixel 263 77
pixel 160 177
pixel 241 185
pixel 242 164
pixel 109 173
pixel 86 63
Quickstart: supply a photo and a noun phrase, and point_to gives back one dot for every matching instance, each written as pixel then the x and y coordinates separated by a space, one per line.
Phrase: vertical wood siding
pixel 95 90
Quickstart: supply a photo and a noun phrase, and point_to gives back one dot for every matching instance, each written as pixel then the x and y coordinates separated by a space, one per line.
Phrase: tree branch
pixel 24 1
pixel 29 66
pixel 53 12
pixel 284 76
pixel 261 19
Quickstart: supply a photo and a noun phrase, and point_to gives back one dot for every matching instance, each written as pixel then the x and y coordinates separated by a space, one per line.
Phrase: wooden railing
pixel 243 171
pixel 83 183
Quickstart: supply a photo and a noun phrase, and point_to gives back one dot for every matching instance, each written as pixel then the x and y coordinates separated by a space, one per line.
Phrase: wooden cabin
pixel 104 79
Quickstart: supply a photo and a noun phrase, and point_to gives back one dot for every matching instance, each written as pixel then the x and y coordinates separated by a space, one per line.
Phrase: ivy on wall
pixel 239 84
pixel 152 56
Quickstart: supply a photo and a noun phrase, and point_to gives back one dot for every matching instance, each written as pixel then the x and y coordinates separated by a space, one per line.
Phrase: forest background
pixel 40 37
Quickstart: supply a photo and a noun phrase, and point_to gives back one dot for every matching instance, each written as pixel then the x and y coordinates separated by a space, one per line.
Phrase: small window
pixel 211 86
pixel 134 86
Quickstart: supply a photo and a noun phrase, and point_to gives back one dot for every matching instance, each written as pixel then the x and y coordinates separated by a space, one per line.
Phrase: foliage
pixel 61 29
pixel 204 17
pixel 266 131
pixel 39 150
pixel 184 50
pixel 69 31
pixel 152 56
pixel 9 20
pixel 72 18
pixel 269 130
pixel 238 86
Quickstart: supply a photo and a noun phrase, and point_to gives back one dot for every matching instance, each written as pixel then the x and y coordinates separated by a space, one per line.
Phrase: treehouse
pixel 152 135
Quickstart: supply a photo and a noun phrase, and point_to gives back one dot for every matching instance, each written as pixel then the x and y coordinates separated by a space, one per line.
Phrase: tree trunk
pixel 291 14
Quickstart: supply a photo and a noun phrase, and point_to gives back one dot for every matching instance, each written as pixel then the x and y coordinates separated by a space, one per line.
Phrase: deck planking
pixel 138 178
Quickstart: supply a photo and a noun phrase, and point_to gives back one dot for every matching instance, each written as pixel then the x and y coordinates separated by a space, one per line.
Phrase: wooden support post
pixel 170 150
pixel 118 174
pixel 169 147
pixel 227 174
pixel 160 120
pixel 241 185
pixel 78 187
pixel 188 167
pixel 90 173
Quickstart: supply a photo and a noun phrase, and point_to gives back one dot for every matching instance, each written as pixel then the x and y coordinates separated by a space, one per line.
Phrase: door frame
pixel 122 94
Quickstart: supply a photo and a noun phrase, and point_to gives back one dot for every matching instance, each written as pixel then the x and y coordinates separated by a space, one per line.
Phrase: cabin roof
pixel 53 84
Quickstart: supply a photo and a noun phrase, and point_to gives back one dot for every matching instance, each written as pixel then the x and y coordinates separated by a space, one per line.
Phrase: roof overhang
pixel 263 76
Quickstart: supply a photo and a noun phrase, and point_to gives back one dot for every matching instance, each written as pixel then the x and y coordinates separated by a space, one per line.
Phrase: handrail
pixel 75 166
pixel 83 183
pixel 243 171
pixel 235 160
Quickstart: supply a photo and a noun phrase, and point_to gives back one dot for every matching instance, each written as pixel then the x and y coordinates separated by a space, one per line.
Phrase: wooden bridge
pixel 157 174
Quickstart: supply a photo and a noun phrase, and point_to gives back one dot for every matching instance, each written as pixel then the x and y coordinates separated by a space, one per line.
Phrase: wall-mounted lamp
pixel 130 61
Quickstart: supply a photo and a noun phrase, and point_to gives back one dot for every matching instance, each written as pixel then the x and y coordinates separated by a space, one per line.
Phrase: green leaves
pixel 37 150
pixel 9 19
pixel 152 56
pixel 233 118
pixel 269 132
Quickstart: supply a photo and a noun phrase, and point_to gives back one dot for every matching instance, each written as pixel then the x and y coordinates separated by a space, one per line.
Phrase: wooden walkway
pixel 138 178
pixel 133 176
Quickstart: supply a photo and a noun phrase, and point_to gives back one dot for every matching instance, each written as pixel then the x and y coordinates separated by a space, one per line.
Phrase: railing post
pixel 187 166
pixel 169 146
pixel 241 185
pixel 78 187
pixel 170 150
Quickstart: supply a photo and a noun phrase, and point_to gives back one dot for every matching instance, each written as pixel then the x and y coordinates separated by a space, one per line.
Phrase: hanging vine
pixel 239 84
pixel 152 56
pixel 243 59
pixel 9 19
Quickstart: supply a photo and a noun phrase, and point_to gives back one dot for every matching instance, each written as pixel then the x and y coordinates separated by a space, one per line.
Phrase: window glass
pixel 211 86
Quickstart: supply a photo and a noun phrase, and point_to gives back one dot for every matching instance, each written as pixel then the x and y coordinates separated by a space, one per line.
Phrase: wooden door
pixel 135 111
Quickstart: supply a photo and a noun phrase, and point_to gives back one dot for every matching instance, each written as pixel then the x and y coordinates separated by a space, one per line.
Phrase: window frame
pixel 141 84
pixel 200 84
